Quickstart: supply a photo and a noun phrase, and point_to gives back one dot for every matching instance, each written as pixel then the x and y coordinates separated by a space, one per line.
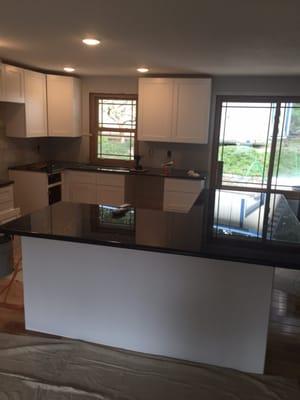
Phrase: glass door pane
pixel 286 172
pixel 239 214
pixel 245 139
pixel 284 218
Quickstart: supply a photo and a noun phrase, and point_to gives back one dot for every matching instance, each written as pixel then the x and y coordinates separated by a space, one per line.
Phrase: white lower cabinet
pixel 82 193
pixel 30 190
pixel 109 189
pixel 110 195
pixel 94 188
pixel 181 194
pixel 6 198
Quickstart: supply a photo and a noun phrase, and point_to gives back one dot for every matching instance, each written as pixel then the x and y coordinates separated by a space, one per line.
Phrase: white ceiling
pixel 169 36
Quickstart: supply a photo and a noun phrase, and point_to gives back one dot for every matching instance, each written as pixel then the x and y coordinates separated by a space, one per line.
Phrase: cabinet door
pixel 179 201
pixel 13 84
pixel 82 193
pixel 192 109
pixel 35 104
pixel 181 194
pixel 110 195
pixel 63 96
pixel 155 109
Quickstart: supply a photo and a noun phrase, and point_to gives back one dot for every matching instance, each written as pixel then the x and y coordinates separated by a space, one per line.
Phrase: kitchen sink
pixel 104 169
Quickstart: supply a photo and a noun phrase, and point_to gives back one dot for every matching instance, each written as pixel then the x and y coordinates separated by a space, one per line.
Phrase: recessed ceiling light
pixel 143 70
pixel 91 41
pixel 69 69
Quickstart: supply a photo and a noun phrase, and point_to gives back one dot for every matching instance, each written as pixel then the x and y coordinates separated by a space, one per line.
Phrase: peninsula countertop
pixel 5 182
pixel 188 234
pixel 59 166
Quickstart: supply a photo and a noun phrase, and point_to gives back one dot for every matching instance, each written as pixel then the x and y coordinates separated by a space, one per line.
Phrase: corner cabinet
pixel 29 120
pixel 174 109
pixel 64 106
pixel 11 84
pixel 39 105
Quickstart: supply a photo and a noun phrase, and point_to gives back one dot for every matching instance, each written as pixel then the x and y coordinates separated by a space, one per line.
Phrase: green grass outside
pixel 249 161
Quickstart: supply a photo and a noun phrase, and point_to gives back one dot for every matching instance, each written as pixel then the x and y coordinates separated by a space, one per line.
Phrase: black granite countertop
pixel 54 167
pixel 225 236
pixel 5 182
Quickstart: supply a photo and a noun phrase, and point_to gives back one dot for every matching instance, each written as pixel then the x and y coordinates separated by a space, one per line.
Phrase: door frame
pixel 213 180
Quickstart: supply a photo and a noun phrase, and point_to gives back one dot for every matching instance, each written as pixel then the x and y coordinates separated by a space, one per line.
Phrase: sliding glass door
pixel 257 169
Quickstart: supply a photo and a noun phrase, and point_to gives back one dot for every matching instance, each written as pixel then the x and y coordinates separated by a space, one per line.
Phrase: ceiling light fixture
pixel 143 70
pixel 69 69
pixel 91 41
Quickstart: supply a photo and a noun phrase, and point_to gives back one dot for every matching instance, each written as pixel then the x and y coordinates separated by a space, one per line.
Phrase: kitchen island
pixel 146 281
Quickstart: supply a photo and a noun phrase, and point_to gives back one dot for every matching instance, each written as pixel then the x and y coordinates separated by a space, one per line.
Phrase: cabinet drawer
pixel 82 177
pixel 111 179
pixel 179 201
pixel 82 193
pixel 110 195
pixel 6 194
pixel 183 185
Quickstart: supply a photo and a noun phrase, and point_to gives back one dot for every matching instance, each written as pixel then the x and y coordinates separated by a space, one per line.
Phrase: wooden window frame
pixel 93 102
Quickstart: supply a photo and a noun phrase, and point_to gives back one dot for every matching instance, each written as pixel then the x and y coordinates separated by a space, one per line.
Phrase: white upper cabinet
pixel 192 110
pixel 11 84
pixel 30 119
pixel 64 106
pixel 35 104
pixel 155 109
pixel 174 109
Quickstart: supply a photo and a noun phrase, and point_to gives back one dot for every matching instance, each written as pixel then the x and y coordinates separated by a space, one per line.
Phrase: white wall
pixel 202 310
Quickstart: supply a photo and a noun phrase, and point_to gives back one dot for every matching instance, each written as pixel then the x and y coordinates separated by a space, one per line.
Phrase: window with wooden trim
pixel 113 126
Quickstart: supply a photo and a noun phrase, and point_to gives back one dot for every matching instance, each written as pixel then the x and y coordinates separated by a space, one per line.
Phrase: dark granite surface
pixel 53 167
pixel 226 236
pixel 5 182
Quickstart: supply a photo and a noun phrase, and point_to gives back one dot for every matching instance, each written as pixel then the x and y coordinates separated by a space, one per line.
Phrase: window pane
pixel 113 146
pixel 286 173
pixel 117 128
pixel 117 114
pixel 245 143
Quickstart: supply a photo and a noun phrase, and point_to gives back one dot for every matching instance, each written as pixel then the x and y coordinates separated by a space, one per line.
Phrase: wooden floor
pixel 11 307
pixel 283 350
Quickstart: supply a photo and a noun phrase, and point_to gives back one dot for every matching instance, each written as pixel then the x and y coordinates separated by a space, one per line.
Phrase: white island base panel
pixel 191 308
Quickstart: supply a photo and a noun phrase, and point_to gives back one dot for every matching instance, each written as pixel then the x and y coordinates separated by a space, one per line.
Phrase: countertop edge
pixel 5 183
pixel 241 259
pixel 150 171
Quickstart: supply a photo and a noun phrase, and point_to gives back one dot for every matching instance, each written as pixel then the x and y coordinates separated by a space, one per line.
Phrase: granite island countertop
pixel 190 234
